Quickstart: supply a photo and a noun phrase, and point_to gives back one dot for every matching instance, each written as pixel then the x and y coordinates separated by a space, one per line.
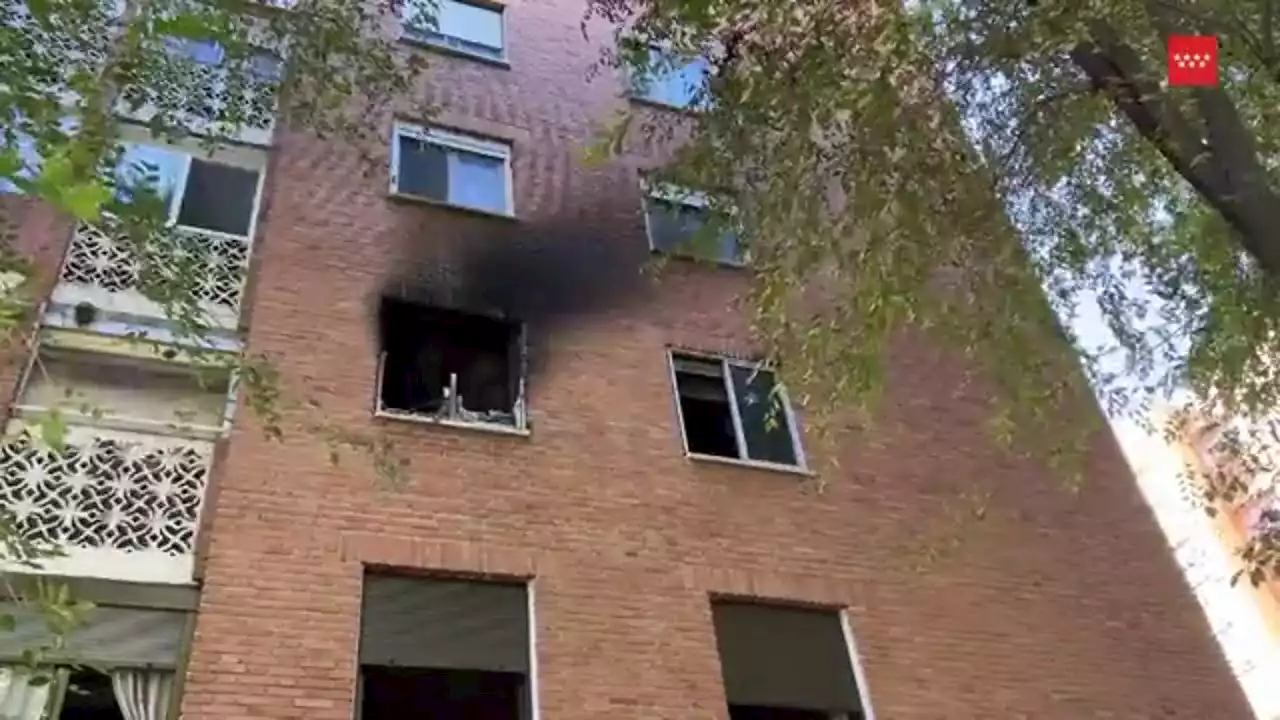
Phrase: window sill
pixel 753 464
pixel 691 258
pixel 665 106
pixel 445 49
pixel 419 200
pixel 492 428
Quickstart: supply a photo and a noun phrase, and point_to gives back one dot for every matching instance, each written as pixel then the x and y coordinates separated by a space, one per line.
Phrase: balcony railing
pixel 204 92
pixel 122 506
pixel 107 273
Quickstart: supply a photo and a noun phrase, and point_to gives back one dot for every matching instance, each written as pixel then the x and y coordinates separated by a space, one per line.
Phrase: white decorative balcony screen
pixel 124 506
pixel 201 84
pixel 96 259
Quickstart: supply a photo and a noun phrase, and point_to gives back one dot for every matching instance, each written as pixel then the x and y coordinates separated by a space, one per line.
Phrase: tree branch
pixel 1223 167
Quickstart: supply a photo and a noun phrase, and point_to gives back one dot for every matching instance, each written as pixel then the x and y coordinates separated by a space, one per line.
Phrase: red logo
pixel 1193 60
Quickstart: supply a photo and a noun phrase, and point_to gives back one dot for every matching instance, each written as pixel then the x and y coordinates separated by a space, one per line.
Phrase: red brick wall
pixel 1054 607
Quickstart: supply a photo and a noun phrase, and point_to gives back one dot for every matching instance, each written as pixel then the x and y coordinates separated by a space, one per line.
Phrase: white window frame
pixel 242 157
pixel 645 96
pixel 677 195
pixel 726 364
pixel 460 142
pixel 416 36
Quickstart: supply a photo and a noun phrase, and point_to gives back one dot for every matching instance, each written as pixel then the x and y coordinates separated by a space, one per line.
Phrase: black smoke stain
pixel 551 273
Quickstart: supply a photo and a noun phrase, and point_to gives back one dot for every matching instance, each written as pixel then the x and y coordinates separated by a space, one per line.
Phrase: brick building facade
pixel 561 549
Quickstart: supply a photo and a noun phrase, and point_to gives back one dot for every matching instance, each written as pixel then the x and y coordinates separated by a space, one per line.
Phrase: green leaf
pixel 85 201
pixel 53 431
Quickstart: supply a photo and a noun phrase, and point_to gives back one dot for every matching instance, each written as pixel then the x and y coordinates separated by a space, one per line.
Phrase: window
pixel 446 365
pixel 136 648
pixel 673 81
pixel 734 410
pixel 474 28
pixel 445 649
pixel 25 147
pixel 198 193
pixel 785 663
pixel 451 168
pixel 676 219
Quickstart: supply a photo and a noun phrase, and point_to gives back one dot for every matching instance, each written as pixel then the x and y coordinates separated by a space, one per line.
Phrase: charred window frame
pixel 453 169
pixel 713 390
pixel 428 369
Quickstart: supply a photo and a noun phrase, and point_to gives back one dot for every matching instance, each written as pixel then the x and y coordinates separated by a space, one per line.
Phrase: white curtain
pixel 19 699
pixel 142 694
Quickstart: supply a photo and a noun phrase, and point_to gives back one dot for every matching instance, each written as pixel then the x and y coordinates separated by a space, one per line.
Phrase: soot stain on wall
pixel 552 274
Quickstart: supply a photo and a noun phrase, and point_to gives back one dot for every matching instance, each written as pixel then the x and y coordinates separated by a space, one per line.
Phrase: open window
pixel 446 365
pixel 785 663
pixel 735 410
pixel 215 194
pixel 445 649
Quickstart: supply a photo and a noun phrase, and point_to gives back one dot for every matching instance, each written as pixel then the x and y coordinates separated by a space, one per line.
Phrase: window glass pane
pixel 219 197
pixel 470 23
pixel 420 17
pixel 672 225
pixel 423 170
pixel 204 52
pixel 764 420
pixel 146 168
pixel 675 83
pixel 26 148
pixel 477 181
pixel 266 68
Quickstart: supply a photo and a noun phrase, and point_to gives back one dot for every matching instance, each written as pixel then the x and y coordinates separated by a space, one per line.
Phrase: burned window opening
pixel 448 365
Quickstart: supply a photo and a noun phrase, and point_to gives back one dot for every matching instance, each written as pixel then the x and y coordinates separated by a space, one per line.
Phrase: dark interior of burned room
pixel 428 350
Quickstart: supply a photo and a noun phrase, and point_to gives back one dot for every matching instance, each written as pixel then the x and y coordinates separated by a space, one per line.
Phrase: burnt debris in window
pixel 704 407
pixel 447 364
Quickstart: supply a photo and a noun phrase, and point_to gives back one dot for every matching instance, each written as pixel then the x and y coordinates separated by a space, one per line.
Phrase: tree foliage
pixel 903 162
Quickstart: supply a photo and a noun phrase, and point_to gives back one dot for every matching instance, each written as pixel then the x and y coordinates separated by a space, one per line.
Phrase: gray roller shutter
pixel 111 636
pixel 784 657
pixel 444 624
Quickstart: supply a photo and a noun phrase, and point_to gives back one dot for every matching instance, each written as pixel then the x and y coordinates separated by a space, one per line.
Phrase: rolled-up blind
pixel 111 636
pixel 784 657
pixel 445 624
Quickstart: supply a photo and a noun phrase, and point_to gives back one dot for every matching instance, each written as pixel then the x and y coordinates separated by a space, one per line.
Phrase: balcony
pixel 122 506
pixel 213 101
pixel 104 272
pixel 211 199
pixel 122 494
